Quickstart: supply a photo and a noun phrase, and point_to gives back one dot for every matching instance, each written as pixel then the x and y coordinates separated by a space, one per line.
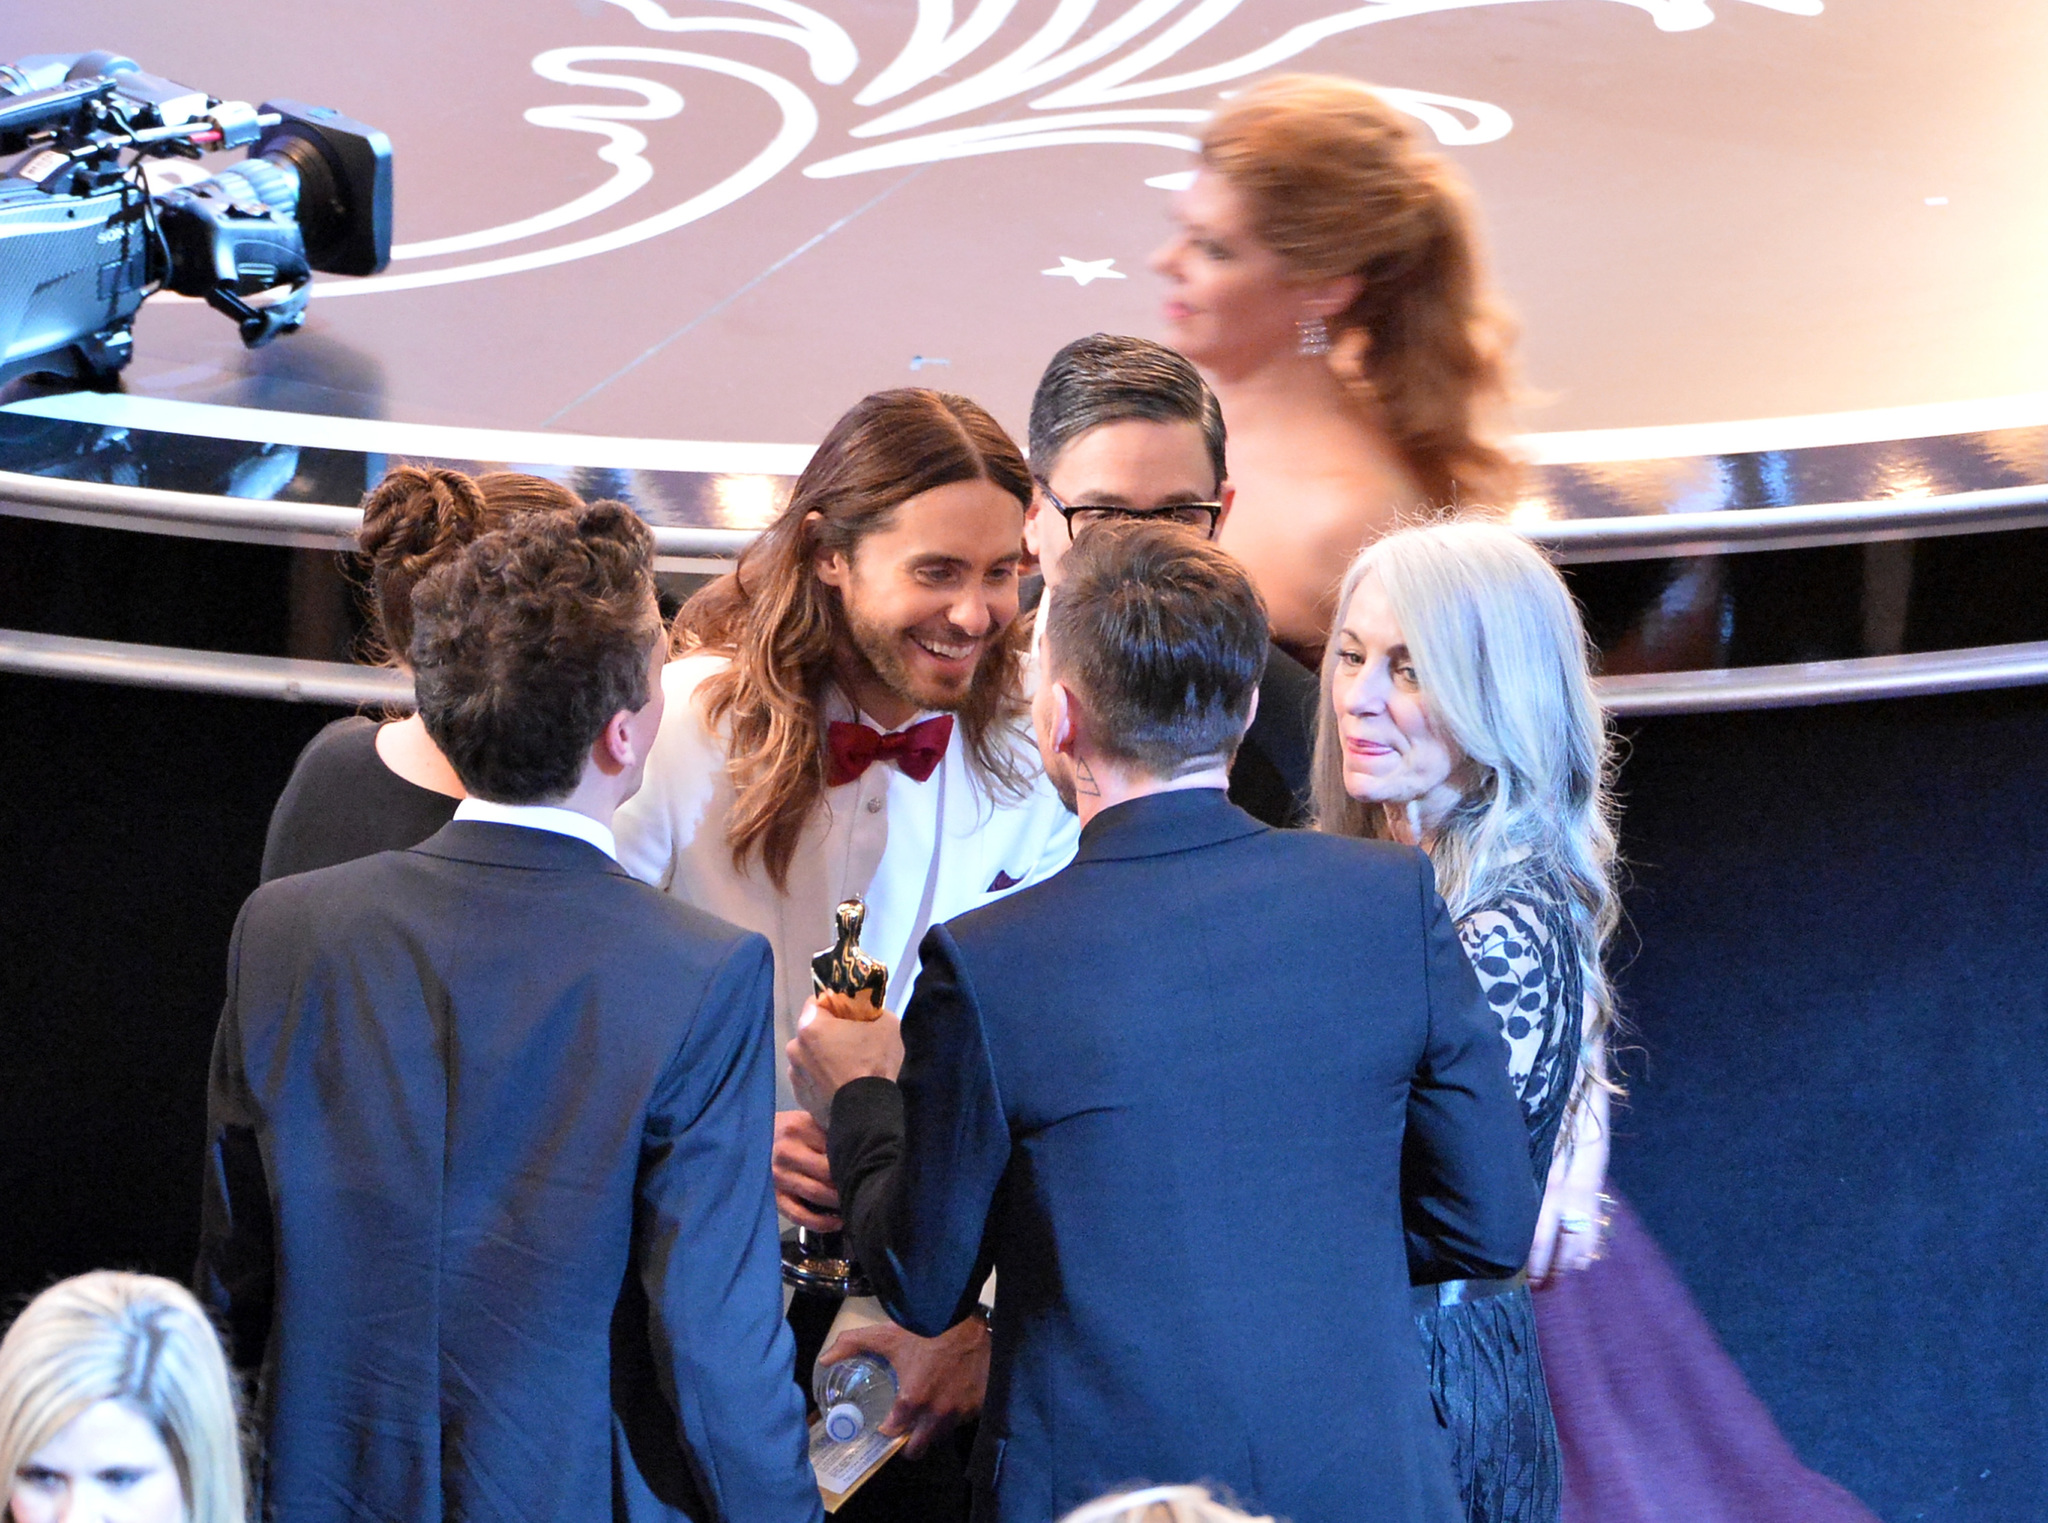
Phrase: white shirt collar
pixel 839 706
pixel 563 822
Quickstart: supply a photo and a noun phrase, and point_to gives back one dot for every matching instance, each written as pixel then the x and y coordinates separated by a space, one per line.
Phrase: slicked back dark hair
pixel 1161 638
pixel 1108 378
pixel 526 643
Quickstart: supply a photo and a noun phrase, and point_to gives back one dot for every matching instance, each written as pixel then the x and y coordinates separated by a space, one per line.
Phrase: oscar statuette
pixel 849 985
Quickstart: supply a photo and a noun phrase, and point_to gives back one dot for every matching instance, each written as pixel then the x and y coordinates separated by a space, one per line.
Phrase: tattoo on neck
pixel 1084 781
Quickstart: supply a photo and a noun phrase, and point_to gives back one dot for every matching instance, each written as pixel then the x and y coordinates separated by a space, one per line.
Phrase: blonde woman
pixel 1325 276
pixel 115 1403
pixel 1160 1504
pixel 1460 717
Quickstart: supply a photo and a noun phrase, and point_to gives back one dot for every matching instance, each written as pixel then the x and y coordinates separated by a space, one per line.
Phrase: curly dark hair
pixel 527 643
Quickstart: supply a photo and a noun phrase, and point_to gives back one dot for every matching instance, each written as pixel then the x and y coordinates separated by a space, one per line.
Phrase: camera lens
pixel 323 210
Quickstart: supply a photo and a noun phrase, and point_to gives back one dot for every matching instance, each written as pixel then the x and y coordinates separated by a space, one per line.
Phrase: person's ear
pixel 1226 494
pixel 1064 729
pixel 1251 712
pixel 1033 526
pixel 613 751
pixel 1328 298
pixel 831 566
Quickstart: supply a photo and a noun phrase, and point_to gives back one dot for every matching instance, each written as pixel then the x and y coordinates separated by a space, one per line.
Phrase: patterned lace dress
pixel 1484 1369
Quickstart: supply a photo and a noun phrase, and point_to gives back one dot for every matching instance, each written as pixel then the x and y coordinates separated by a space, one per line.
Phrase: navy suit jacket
pixel 487 1211
pixel 1166 1093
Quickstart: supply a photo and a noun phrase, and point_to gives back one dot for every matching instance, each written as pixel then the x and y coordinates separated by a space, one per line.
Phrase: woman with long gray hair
pixel 1459 717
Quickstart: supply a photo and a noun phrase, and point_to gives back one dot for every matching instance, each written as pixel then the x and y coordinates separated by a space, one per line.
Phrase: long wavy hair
pixel 140 1341
pixel 1337 184
pixel 1503 664
pixel 786 631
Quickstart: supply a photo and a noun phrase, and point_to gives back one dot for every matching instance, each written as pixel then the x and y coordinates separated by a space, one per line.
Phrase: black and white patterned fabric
pixel 1485 1371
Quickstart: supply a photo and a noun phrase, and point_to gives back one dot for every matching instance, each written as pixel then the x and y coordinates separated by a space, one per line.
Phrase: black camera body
pixel 83 240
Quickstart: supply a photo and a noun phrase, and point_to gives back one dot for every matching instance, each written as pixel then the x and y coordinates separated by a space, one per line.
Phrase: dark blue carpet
pixel 1840 1127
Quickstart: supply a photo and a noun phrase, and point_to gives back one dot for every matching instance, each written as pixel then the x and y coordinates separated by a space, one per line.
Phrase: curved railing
pixel 154 510
pixel 1697 692
pixel 250 521
pixel 1723 532
pixel 1736 530
pixel 202 671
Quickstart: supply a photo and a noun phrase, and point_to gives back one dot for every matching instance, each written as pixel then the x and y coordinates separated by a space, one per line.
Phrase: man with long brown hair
pixel 847 717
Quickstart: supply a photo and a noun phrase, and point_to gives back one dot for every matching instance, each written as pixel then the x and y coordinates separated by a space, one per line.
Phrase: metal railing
pixel 1726 531
pixel 1921 674
pixel 1731 531
pixel 152 510
pixel 1696 692
pixel 203 671
pixel 312 526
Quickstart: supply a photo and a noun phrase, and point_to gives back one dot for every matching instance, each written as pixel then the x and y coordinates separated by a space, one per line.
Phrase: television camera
pixel 84 240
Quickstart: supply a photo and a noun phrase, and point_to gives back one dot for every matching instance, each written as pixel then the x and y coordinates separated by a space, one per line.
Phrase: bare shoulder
pixel 1296 533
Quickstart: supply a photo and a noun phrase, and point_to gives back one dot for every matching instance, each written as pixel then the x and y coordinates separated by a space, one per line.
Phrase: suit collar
pixel 1160 823
pixel 496 845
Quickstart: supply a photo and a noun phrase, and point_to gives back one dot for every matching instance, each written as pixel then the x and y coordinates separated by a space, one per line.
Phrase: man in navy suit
pixel 1166 1093
pixel 488 1213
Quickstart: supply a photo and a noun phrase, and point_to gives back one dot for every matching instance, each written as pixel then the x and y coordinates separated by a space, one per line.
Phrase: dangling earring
pixel 1315 335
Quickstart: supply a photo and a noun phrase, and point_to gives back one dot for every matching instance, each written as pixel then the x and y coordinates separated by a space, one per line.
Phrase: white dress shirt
pixel 563 822
pixel 919 853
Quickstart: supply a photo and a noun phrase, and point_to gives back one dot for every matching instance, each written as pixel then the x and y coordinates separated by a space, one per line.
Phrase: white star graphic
pixel 1081 271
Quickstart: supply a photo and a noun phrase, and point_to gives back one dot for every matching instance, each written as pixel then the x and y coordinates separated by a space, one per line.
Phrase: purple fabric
pixel 1656 1422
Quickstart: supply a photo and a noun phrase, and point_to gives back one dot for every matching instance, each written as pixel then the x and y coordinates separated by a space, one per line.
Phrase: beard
pixel 880 648
pixel 1062 780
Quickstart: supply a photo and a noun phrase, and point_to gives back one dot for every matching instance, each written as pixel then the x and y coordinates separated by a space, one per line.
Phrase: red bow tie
pixel 853 748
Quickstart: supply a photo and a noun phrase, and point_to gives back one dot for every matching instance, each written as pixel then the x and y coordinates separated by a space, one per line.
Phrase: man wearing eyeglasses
pixel 1123 428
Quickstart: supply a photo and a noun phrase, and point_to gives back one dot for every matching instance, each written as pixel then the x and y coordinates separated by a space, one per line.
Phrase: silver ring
pixel 1575 1221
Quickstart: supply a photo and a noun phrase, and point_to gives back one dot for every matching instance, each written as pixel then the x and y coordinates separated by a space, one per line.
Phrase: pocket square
pixel 1004 882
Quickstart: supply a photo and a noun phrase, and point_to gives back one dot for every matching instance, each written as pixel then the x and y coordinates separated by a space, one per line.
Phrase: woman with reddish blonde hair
pixel 1325 275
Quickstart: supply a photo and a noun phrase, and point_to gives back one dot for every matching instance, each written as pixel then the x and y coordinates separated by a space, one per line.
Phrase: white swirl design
pixel 1080 78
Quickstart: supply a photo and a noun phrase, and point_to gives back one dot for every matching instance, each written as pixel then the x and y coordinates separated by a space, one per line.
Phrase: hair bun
pixel 418 513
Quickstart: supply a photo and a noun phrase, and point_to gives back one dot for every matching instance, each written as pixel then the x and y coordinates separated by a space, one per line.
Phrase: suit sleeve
pixel 918 1219
pixel 865 1143
pixel 1467 1193
pixel 708 1255
pixel 235 1278
pixel 1269 778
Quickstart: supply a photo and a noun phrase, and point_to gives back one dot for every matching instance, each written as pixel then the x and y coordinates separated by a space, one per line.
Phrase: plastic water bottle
pixel 854 1395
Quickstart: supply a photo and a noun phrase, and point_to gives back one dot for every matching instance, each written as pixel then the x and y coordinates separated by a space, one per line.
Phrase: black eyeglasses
pixel 1202 517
